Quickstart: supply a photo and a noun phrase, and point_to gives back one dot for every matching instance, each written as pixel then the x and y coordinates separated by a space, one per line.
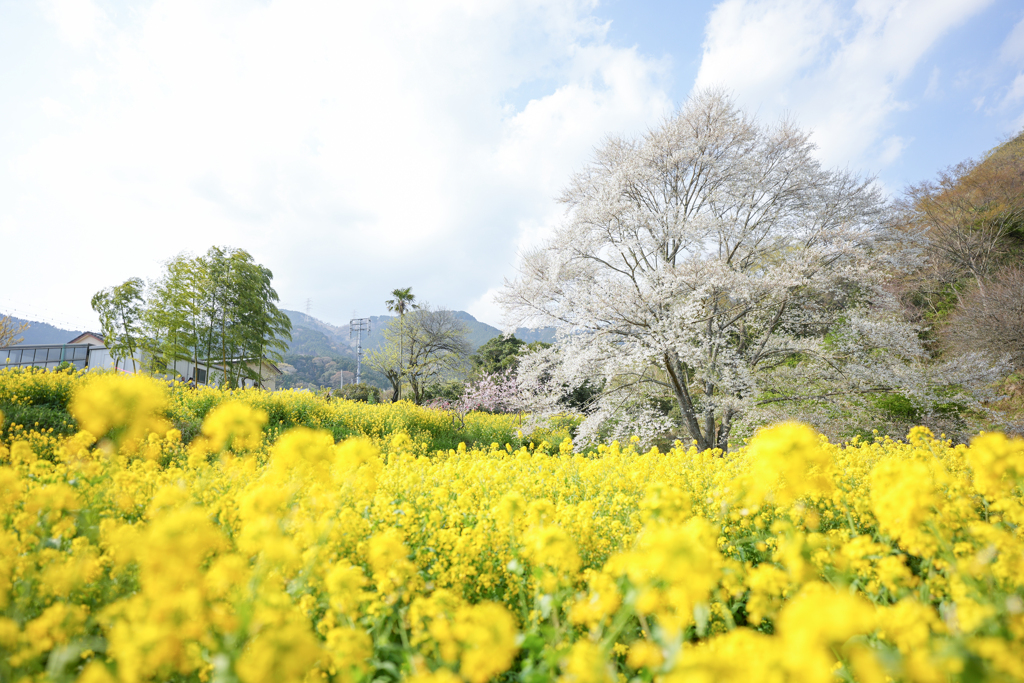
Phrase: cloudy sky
pixel 357 147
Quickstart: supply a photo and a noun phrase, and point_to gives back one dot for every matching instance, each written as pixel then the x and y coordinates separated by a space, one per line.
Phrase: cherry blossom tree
pixel 496 392
pixel 714 262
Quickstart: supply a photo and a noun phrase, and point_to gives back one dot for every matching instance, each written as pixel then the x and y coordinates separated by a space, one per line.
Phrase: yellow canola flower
pixel 441 675
pixel 788 461
pixel 675 569
pixel 487 635
pixel 644 654
pixel 997 463
pixel 739 655
pixel 95 672
pixel 12 489
pixel 389 559
pixel 768 584
pixel 903 499
pixel 350 650
pixel 234 425
pixel 816 619
pixel 586 663
pixel 122 408
pixel 551 547
pixel 345 584
pixel 311 560
pixel 600 602
pixel 280 653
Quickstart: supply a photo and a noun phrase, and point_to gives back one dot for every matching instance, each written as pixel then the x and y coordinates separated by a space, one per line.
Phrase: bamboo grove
pixel 219 307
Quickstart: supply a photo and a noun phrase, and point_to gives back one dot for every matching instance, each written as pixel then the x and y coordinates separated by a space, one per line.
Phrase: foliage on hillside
pixel 970 222
pixel 128 555
pixel 321 371
pixel 307 342
pixel 340 339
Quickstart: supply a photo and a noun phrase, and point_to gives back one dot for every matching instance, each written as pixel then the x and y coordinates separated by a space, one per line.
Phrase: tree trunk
pixel 677 377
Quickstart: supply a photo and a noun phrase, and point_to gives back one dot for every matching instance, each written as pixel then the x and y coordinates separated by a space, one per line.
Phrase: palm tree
pixel 403 300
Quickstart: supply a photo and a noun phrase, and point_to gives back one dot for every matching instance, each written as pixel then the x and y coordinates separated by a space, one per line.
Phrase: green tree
pixel 436 349
pixel 499 354
pixel 421 348
pixel 120 310
pixel 404 300
pixel 263 329
pixel 173 313
pixel 218 307
pixel 9 331
pixel 387 360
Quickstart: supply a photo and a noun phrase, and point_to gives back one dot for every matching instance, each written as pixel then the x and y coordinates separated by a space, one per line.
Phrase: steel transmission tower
pixel 358 326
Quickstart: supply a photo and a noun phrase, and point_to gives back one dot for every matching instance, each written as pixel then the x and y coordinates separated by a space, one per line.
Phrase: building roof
pixel 87 338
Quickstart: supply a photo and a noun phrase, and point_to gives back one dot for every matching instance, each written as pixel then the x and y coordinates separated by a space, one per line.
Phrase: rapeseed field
pixel 257 551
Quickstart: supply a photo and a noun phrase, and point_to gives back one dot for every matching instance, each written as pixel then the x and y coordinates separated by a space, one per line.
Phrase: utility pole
pixel 359 325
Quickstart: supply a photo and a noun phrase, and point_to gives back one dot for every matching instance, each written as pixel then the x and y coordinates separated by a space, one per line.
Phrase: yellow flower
pixel 788 462
pixel 279 654
pixel 601 601
pixel 350 650
pixel 903 498
pixel 487 633
pixel 345 584
pixel 550 546
pixel 95 672
pixel 997 463
pixel 585 664
pixel 389 559
pixel 644 654
pixel 122 408
pixel 815 619
pixel 439 676
pixel 767 585
pixel 234 425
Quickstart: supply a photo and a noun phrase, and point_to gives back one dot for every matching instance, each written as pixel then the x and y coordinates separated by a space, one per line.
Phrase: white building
pixel 89 352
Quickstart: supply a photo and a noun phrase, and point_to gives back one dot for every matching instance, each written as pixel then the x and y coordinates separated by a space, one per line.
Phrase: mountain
pixel 43 333
pixel 307 342
pixel 342 342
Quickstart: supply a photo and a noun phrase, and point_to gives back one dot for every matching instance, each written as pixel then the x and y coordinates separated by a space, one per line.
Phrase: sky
pixel 359 147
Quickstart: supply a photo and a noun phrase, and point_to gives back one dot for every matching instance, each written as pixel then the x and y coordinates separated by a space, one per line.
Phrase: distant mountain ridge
pixel 309 333
pixel 314 337
pixel 44 333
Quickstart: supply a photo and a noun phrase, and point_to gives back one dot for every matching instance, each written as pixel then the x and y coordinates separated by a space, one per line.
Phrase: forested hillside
pixel 969 292
pixel 313 336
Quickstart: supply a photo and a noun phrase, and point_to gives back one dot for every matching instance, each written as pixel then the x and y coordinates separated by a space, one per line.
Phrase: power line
pixel 43 316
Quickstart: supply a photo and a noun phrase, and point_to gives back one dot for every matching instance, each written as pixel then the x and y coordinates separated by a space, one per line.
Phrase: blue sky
pixel 359 147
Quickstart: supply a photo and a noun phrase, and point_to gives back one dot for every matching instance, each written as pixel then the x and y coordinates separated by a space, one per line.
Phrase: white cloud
pixel 352 147
pixel 78 21
pixel 933 88
pixel 486 309
pixel 892 148
pixel 837 68
pixel 53 109
pixel 1012 49
pixel 1016 90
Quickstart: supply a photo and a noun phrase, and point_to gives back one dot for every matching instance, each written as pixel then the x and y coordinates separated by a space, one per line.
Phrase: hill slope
pixel 43 333
pixel 338 337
